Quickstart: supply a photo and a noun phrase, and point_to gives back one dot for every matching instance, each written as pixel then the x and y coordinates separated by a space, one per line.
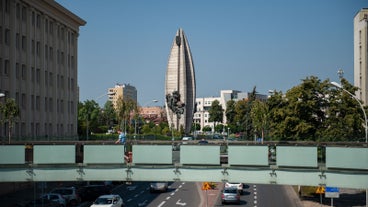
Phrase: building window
pixel 24 72
pixel 17 74
pixel 32 102
pixel 24 14
pixel 38 48
pixel 1 35
pixel 32 74
pixel 51 28
pixel 38 21
pixel 46 78
pixel 51 54
pixel 37 103
pixel 38 75
pixel 46 52
pixel 45 104
pixel 6 67
pixel 51 108
pixel 33 47
pixel 17 11
pixel 24 101
pixel 51 79
pixel 7 37
pixel 17 40
pixel 24 43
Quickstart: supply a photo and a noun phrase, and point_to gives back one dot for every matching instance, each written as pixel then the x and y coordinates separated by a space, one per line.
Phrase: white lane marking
pixel 161 204
pixel 167 198
pixel 143 204
pixel 181 204
pixel 133 187
pixel 172 194
pixel 129 200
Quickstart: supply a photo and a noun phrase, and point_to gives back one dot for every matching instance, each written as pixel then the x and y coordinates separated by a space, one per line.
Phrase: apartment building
pixel 361 54
pixel 122 91
pixel 38 67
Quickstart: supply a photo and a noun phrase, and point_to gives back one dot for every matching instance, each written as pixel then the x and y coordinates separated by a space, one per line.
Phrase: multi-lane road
pixel 190 194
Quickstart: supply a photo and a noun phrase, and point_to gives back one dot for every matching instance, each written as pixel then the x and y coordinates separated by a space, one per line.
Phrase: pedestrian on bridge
pixel 121 140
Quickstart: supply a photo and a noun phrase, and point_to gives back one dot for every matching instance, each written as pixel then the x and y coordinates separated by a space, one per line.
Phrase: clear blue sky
pixel 236 44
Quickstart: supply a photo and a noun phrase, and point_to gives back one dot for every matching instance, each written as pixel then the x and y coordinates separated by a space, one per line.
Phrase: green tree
pixel 259 115
pixel 10 112
pixel 108 114
pixel 126 109
pixel 243 117
pixel 345 119
pixel 216 113
pixel 230 114
pixel 88 116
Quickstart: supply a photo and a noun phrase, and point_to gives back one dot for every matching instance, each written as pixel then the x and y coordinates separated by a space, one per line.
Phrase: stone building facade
pixel 38 67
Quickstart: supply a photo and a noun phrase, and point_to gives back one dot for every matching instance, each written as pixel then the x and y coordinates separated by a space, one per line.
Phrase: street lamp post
pixel 361 106
pixel 365 120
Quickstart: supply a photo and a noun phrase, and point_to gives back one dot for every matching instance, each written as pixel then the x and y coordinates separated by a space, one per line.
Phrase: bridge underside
pixel 287 165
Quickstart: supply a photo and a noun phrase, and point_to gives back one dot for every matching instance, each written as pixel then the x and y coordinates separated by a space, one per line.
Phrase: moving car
pixel 159 186
pixel 111 200
pixel 230 195
pixel 238 186
pixel 55 197
pixel 69 193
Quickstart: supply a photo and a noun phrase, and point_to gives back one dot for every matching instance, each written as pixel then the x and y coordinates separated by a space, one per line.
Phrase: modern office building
pixel 122 91
pixel 361 54
pixel 38 67
pixel 180 88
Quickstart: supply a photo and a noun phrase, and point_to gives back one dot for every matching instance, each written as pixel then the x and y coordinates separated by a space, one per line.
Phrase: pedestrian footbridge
pixel 268 163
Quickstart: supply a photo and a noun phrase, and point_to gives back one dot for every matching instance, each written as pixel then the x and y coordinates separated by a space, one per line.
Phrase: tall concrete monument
pixel 180 89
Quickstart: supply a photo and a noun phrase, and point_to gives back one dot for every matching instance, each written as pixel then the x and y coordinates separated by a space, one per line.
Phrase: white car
pixel 55 197
pixel 238 186
pixel 112 200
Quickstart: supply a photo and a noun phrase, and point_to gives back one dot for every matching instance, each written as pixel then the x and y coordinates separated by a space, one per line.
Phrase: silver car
pixel 162 187
pixel 230 195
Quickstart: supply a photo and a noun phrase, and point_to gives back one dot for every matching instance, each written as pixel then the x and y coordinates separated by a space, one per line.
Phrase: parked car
pixel 69 193
pixel 238 186
pixel 91 192
pixel 159 187
pixel 186 139
pixel 55 197
pixel 111 200
pixel 230 195
pixel 202 142
pixel 40 202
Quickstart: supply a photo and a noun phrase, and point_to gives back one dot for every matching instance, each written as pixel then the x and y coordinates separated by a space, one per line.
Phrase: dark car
pixel 203 142
pixel 92 192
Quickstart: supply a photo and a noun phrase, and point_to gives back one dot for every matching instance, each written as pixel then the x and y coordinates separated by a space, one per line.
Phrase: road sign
pixel 320 190
pixel 332 192
pixel 206 186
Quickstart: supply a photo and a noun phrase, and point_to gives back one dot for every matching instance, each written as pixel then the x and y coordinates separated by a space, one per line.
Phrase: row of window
pixel 37 17
pixel 21 43
pixel 35 75
pixel 34 103
pixel 35 129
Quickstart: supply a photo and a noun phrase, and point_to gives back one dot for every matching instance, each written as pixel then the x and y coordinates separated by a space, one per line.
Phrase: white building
pixel 201 116
pixel 361 54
